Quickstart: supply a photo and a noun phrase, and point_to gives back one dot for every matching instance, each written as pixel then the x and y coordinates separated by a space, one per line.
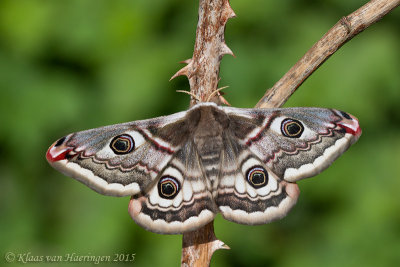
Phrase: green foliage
pixel 71 65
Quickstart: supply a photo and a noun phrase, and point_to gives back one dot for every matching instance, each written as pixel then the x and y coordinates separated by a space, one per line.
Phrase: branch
pixel 343 31
pixel 202 71
pixel 199 246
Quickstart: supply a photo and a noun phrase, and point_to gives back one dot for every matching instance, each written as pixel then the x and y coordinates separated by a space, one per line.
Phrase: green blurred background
pixel 71 65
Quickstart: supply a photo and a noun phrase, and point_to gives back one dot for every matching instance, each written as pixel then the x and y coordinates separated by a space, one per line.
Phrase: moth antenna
pixel 189 93
pixel 216 92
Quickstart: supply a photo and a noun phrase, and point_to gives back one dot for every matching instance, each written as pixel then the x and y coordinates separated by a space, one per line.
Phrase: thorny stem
pixel 202 71
pixel 198 246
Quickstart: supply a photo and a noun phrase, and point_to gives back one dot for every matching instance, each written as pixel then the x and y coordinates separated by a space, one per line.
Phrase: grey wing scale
pixel 192 205
pixel 162 173
pixel 326 134
pixel 242 201
pixel 182 169
pixel 88 157
pixel 261 164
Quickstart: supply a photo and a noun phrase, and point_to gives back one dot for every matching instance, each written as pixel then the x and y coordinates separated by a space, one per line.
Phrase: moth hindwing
pixel 183 169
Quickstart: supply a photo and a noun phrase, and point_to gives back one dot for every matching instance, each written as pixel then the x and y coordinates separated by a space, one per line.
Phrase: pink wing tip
pixel 356 131
pixel 350 124
pixel 57 153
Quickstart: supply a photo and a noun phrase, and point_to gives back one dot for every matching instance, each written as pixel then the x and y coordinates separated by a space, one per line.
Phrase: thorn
pixel 222 245
pixel 225 50
pixel 186 61
pixel 183 71
pixel 231 13
pixel 223 100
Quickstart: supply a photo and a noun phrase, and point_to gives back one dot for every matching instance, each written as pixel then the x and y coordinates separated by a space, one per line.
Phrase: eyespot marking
pixel 257 177
pixel 292 128
pixel 168 187
pixel 122 144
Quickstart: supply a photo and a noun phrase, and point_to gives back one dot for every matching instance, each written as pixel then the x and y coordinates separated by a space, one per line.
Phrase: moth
pixel 181 170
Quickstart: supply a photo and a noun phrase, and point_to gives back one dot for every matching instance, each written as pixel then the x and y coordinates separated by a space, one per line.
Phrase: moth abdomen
pixel 182 169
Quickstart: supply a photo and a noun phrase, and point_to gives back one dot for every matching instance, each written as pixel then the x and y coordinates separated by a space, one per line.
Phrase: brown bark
pixel 343 31
pixel 198 246
pixel 202 71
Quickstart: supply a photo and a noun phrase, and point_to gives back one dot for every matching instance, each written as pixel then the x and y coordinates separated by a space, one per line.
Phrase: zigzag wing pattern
pixel 182 169
pixel 97 158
